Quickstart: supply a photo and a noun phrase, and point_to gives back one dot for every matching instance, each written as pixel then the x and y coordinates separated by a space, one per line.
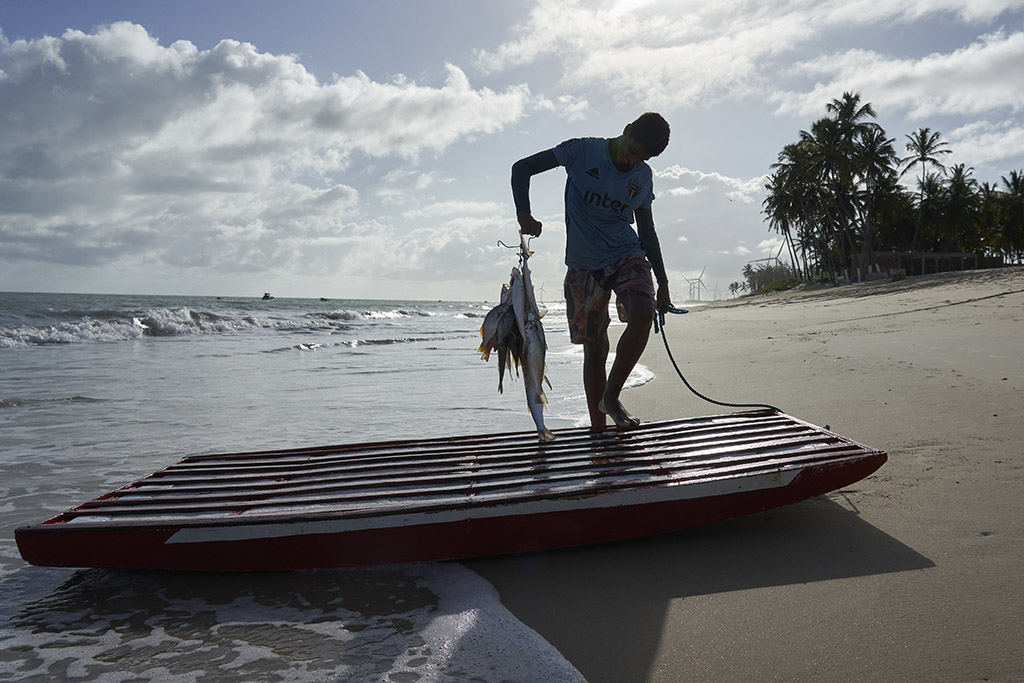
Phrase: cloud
pixel 447 253
pixel 402 117
pixel 746 191
pixel 570 108
pixel 403 185
pixel 666 54
pixel 771 246
pixel 867 12
pixel 740 250
pixel 113 145
pixel 455 207
pixel 649 52
pixel 684 191
pixel 982 142
pixel 983 77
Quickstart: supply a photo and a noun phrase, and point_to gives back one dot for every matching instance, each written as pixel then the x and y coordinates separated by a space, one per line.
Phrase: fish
pixel 514 329
pixel 500 332
pixel 528 319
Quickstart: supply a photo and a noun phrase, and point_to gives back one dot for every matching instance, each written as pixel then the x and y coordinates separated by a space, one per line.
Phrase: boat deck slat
pixel 484 458
pixel 476 442
pixel 346 502
pixel 514 446
pixel 666 452
pixel 414 476
pixel 663 466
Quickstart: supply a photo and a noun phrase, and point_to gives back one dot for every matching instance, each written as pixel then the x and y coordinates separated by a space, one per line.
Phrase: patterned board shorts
pixel 587 293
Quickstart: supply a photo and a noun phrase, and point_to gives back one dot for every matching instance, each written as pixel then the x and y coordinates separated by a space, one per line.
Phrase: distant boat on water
pixel 266 296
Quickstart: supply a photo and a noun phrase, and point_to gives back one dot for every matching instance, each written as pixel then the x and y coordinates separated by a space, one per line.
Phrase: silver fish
pixel 500 332
pixel 514 329
pixel 494 324
pixel 528 316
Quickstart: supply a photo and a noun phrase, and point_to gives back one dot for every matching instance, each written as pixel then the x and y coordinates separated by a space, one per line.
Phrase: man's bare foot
pixel 619 415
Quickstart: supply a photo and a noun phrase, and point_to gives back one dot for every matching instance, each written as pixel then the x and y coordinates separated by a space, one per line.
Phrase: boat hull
pixel 396 502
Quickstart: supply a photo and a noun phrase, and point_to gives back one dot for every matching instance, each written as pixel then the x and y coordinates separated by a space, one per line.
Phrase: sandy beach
pixel 914 574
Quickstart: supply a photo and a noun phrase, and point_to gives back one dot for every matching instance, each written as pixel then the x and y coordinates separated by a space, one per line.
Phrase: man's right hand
pixel 528 225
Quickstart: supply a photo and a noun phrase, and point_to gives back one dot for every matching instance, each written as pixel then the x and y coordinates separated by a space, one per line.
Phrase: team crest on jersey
pixel 593 173
pixel 633 189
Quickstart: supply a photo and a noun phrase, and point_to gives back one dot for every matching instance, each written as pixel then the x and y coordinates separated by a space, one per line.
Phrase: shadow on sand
pixel 581 600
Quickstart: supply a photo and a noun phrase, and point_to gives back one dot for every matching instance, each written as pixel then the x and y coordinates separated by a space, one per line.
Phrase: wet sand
pixel 914 574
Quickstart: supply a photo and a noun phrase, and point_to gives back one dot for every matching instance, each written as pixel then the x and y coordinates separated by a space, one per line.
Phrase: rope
pixel 659 327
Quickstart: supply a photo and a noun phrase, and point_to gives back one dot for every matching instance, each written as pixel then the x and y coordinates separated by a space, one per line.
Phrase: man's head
pixel 650 132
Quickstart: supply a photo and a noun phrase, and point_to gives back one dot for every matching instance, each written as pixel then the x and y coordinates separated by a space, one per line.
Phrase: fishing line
pixel 659 327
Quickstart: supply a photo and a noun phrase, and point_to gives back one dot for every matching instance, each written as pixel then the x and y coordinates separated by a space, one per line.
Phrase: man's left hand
pixel 663 297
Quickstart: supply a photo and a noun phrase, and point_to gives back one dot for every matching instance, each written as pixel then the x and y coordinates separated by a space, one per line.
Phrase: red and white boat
pixel 433 499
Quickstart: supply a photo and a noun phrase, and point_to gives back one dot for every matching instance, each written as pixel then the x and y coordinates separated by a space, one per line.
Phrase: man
pixel 608 184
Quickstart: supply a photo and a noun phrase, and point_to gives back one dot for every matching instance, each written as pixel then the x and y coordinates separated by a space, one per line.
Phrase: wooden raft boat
pixel 432 499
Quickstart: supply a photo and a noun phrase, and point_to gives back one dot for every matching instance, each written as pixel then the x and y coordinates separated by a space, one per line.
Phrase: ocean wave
pixel 164 322
pixel 640 376
pixel 341 315
pixel 299 347
pixel 21 402
pixel 169 322
pixel 413 622
pixel 33 323
pixel 70 333
pixel 396 340
pixel 389 314
pixel 357 343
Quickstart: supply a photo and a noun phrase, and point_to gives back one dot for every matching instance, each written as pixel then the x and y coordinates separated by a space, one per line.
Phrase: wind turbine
pixel 692 284
pixel 700 283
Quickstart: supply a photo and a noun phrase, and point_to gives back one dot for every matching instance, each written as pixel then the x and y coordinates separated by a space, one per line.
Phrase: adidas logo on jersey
pixel 593 173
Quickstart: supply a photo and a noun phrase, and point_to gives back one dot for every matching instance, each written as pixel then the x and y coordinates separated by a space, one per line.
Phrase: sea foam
pixel 418 623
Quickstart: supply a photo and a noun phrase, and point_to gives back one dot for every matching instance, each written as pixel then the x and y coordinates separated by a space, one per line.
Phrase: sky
pixel 341 149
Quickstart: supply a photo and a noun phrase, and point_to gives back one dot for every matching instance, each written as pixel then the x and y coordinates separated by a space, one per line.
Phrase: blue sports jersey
pixel 599 203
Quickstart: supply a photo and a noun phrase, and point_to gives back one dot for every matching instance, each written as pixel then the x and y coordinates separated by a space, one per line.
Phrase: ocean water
pixel 96 391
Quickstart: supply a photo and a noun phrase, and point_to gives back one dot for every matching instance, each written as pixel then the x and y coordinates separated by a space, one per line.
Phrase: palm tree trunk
pixel 920 206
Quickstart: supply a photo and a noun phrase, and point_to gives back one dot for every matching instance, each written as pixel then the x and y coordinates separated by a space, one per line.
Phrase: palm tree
pixel 782 206
pixel 852 153
pixel 1012 216
pixel 924 147
pixel 893 214
pixel 792 202
pixel 990 201
pixel 929 211
pixel 849 112
pixel 876 162
pixel 838 189
pixel 825 164
pixel 961 211
pixel 749 277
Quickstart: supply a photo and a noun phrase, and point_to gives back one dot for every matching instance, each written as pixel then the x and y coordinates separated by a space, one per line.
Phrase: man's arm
pixel 651 246
pixel 522 171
